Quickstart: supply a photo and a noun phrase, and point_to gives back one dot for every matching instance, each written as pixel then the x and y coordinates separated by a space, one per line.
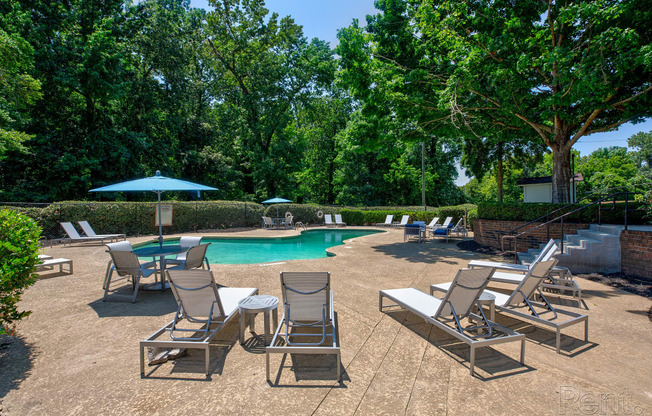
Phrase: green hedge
pixel 137 218
pixel 371 217
pixel 305 213
pixel 19 236
pixel 520 211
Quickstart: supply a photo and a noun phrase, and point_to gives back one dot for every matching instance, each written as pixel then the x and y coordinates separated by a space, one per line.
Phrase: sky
pixel 322 19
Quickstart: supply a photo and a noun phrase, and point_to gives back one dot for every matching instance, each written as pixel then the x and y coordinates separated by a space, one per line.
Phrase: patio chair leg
pixel 339 364
pixel 523 352
pixel 472 359
pixel 586 330
pixel 267 364
pixel 208 360
pixel 142 360
pixel 558 340
pixel 133 300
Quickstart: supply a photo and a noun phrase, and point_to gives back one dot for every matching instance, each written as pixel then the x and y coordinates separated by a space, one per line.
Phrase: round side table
pixel 487 299
pixel 254 305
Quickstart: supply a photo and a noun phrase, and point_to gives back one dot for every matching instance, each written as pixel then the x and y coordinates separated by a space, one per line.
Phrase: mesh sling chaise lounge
pixel 387 223
pixel 433 224
pixel 519 305
pixel 328 220
pixel 559 279
pixel 202 310
pixel 447 313
pixel 338 220
pixel 404 220
pixel 48 264
pixel 74 237
pixel 88 230
pixel 308 325
pixel 189 243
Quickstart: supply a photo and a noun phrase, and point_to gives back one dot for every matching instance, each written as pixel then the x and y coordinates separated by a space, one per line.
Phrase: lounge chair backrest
pixel 338 218
pixel 531 282
pixel 447 222
pixel 120 246
pixel 458 223
pixel 464 291
pixel 306 295
pixel 86 227
pixel 433 222
pixel 421 224
pixel 544 254
pixel 405 219
pixel 197 292
pixel 125 262
pixel 195 256
pixel 388 219
pixel 70 230
pixel 188 242
pixel 328 219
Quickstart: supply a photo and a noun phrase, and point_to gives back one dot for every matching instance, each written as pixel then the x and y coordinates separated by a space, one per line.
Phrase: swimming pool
pixel 311 244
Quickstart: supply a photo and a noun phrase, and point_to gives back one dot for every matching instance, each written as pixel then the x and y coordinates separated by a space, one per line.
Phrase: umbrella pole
pixel 160 222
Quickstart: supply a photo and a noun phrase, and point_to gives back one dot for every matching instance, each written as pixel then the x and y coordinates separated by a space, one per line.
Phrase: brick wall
pixel 488 232
pixel 636 253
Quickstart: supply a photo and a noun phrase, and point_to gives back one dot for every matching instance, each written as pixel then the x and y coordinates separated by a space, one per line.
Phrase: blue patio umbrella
pixel 276 200
pixel 157 184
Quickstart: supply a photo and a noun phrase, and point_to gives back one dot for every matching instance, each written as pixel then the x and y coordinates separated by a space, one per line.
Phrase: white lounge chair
pixel 404 220
pixel 448 313
pixel 518 303
pixel 88 230
pixel 74 237
pixel 559 279
pixel 200 304
pixel 127 266
pixel 328 220
pixel 308 325
pixel 49 263
pixel 338 220
pixel 433 224
pixel 268 223
pixel 387 223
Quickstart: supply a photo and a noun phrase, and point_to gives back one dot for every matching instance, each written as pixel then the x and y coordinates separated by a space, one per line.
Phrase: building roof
pixel 544 179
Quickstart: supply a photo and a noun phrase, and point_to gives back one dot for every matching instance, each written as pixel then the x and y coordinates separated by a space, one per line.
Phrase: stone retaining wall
pixel 636 252
pixel 488 232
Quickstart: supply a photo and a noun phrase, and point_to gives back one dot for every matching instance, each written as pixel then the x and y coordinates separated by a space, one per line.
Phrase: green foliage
pixel 519 211
pixel 353 216
pixel 19 236
pixel 605 169
pixel 137 218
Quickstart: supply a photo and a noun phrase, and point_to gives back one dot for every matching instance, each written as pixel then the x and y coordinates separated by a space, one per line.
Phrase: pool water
pixel 311 244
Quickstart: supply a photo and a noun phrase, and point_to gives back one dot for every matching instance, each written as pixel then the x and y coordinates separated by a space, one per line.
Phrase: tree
pixel 548 71
pixel 557 70
pixel 642 143
pixel 605 169
pixel 18 90
pixel 267 70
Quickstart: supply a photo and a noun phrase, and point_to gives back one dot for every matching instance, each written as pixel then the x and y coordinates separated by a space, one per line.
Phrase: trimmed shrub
pixel 19 236
pixel 610 213
pixel 305 213
pixel 353 216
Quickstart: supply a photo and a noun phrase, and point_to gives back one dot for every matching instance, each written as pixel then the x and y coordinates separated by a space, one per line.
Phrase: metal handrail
pixel 561 217
pixel 594 194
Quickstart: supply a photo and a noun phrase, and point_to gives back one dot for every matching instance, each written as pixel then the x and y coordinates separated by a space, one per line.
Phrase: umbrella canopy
pixel 157 184
pixel 276 200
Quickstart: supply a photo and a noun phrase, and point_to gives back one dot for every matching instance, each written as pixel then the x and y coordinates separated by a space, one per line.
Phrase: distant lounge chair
pixel 201 303
pixel 307 315
pixel 48 264
pixel 328 220
pixel 338 220
pixel 268 223
pixel 433 223
pixel 413 230
pixel 88 230
pixel 518 303
pixel 74 237
pixel 448 312
pixel 387 223
pixel 404 221
pixel 289 220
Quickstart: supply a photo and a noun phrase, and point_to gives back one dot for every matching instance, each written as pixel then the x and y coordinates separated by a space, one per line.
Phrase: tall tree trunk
pixel 561 166
pixel 500 171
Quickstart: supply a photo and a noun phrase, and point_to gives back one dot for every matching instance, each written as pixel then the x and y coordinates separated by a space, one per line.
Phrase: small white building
pixel 540 189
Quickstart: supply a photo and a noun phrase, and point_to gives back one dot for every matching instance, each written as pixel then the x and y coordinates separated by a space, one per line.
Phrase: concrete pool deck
pixel 78 355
